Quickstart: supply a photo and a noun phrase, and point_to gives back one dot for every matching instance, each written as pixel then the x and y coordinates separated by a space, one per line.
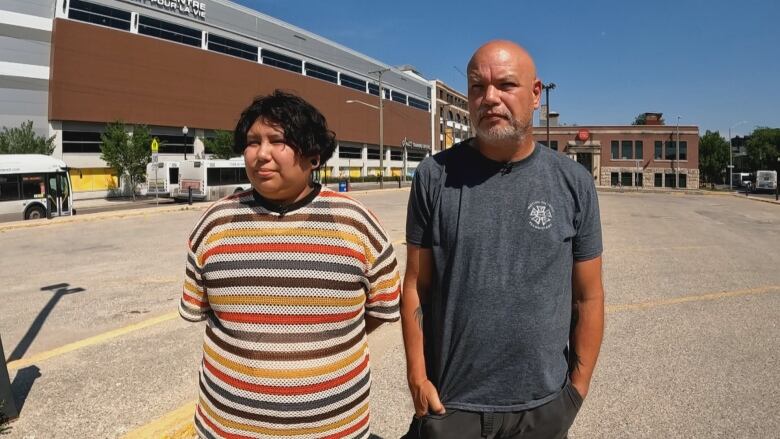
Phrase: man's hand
pixel 581 387
pixel 425 398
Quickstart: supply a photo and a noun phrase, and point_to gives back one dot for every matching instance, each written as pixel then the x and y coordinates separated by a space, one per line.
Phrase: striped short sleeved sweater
pixel 285 293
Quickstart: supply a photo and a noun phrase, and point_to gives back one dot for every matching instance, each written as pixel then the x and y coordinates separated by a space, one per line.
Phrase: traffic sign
pixel 155 157
pixel 155 145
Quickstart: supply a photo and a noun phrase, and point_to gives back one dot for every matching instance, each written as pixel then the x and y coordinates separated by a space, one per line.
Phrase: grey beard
pixel 513 132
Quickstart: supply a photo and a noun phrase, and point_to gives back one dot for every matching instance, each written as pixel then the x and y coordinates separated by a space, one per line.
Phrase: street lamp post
pixel 379 73
pixel 677 157
pixel 381 133
pixel 184 132
pixel 777 180
pixel 731 153
pixel 547 88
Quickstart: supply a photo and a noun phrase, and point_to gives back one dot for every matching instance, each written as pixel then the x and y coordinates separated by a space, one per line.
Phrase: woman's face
pixel 275 170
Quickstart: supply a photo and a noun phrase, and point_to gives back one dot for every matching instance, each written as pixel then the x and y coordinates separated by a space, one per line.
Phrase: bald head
pixel 504 52
pixel 503 93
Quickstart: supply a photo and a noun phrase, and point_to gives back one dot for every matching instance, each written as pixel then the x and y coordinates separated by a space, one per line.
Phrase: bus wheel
pixel 35 212
pixel 238 190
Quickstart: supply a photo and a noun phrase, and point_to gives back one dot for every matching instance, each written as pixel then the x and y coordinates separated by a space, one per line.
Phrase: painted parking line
pixel 107 336
pixel 663 248
pixel 693 298
pixel 174 425
pixel 91 341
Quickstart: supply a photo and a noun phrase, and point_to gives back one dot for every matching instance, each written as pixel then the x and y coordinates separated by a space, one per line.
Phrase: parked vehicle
pixel 211 180
pixel 766 181
pixel 34 186
pixel 162 178
pixel 741 179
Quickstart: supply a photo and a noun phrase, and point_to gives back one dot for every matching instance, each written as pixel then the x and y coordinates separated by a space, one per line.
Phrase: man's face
pixel 503 93
pixel 274 168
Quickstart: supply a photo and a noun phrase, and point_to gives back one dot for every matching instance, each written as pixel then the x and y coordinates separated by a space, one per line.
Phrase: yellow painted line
pixel 693 298
pixel 668 248
pixel 174 425
pixel 91 341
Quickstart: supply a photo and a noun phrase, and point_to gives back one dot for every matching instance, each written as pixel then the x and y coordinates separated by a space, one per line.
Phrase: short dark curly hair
pixel 305 128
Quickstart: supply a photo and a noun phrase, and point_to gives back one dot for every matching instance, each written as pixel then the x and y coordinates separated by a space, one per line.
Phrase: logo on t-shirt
pixel 540 215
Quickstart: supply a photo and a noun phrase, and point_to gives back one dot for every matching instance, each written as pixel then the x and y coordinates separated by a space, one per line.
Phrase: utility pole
pixel 677 158
pixel 380 72
pixel 547 88
pixel 731 152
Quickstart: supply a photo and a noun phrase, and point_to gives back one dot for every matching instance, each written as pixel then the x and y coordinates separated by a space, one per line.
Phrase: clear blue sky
pixel 714 63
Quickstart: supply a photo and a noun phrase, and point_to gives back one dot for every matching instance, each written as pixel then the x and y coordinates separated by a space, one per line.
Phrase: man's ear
pixel 537 90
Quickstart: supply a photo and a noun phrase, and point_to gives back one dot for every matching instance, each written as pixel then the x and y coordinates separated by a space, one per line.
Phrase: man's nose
pixel 491 95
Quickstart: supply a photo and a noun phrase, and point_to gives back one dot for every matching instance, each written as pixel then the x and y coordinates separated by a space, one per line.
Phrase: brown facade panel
pixel 102 75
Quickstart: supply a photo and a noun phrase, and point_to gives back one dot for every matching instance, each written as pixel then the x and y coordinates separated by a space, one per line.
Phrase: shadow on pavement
pixel 60 290
pixel 23 382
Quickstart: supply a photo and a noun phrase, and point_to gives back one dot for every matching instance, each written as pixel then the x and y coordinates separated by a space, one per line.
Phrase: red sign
pixel 583 135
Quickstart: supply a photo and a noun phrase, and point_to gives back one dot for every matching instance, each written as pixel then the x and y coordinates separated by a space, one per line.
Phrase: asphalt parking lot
pixel 692 338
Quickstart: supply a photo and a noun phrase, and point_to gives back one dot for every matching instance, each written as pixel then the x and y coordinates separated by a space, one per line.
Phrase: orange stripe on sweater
pixel 283 248
pixel 195 301
pixel 287 319
pixel 220 432
pixel 386 297
pixel 278 390
pixel 362 423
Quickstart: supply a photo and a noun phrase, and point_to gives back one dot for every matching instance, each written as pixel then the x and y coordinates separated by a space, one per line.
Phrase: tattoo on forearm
pixel 418 315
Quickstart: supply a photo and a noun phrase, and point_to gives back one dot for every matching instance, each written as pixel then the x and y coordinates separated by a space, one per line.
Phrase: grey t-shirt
pixel 504 238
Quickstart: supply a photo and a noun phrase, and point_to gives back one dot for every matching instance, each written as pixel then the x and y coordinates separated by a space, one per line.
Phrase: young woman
pixel 290 276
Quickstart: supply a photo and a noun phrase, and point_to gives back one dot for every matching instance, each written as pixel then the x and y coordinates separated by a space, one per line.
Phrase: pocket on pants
pixel 452 424
pixel 575 396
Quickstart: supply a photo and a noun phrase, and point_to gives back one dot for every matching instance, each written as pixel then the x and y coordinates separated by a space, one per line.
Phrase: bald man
pixel 503 305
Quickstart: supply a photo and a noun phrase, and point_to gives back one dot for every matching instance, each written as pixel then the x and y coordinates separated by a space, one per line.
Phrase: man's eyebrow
pixel 507 78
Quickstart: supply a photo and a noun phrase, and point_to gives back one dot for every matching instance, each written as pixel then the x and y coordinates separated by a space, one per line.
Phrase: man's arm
pixel 588 310
pixel 415 292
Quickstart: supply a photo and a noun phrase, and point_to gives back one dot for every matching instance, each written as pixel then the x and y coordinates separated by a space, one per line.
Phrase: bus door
pixel 59 195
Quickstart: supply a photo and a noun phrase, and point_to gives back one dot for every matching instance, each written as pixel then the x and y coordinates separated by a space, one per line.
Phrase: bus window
pixel 33 186
pixel 173 175
pixel 9 187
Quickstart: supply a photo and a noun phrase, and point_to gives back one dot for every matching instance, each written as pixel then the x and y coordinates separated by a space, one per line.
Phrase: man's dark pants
pixel 549 421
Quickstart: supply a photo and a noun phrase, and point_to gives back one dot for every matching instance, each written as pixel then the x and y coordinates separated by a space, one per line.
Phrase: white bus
pixel 211 180
pixel 766 180
pixel 33 186
pixel 162 178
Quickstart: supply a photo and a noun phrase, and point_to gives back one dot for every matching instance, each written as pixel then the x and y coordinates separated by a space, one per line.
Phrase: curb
pixel 15 225
pixel 763 200
pixel 633 190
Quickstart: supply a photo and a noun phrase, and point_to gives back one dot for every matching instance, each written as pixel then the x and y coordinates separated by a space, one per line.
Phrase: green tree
pixel 23 140
pixel 713 156
pixel 221 145
pixel 763 148
pixel 127 153
pixel 641 119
